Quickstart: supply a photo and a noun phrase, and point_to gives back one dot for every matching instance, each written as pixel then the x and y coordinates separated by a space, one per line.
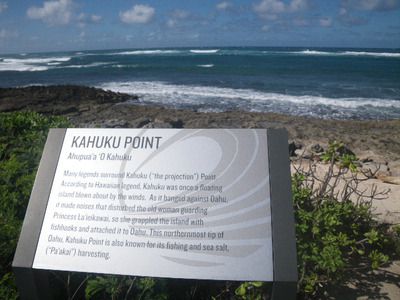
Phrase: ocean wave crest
pixel 146 52
pixel 92 65
pixel 208 98
pixel 347 53
pixel 30 64
pixel 204 51
pixel 206 66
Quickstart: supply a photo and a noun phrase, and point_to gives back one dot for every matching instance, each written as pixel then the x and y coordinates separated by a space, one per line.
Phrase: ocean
pixel 324 82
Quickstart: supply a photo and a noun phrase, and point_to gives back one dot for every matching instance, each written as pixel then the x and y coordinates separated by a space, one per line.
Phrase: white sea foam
pixel 124 66
pixel 313 52
pixel 13 65
pixel 42 60
pixel 384 54
pixel 30 64
pixel 347 53
pixel 217 98
pixel 93 65
pixel 146 52
pixel 204 51
pixel 206 66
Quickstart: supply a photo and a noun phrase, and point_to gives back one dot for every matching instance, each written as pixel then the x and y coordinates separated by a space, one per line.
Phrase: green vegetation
pixel 22 137
pixel 338 153
pixel 335 228
pixel 334 224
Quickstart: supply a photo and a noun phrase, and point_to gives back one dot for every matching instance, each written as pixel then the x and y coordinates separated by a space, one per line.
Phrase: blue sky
pixel 57 25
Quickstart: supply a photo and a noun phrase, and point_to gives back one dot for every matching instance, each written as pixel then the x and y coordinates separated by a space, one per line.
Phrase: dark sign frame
pixel 33 283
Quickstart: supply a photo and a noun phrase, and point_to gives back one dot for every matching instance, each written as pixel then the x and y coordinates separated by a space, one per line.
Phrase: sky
pixel 62 25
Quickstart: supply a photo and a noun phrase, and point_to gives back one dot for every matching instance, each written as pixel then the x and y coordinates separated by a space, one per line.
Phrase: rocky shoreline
pixel 376 143
pixel 92 107
pixel 58 100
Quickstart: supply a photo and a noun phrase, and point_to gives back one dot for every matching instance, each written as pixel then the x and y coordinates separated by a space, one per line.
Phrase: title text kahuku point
pixel 114 142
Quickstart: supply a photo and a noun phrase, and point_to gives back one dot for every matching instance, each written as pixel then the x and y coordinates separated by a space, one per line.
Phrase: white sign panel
pixel 160 202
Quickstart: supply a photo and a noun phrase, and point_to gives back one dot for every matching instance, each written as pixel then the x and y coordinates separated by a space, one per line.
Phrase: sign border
pixel 282 214
pixel 33 283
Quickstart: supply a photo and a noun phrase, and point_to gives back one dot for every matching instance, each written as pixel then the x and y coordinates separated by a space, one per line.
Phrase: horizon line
pixel 198 47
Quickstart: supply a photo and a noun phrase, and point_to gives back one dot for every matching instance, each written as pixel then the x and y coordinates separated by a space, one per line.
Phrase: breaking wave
pixel 208 98
pixel 146 52
pixel 204 51
pixel 347 53
pixel 206 66
pixel 30 64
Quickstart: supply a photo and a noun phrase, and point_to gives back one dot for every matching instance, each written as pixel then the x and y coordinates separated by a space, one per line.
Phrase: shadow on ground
pixel 383 283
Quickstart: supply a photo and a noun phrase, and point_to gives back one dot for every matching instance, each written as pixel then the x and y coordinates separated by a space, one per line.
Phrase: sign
pixel 180 203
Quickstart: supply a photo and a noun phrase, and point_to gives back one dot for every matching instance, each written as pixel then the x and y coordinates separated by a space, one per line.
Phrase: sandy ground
pixel 383 283
pixel 386 205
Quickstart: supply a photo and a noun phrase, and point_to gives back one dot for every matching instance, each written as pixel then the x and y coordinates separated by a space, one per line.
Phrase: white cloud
pixel 96 18
pixel 297 5
pixel 224 5
pixel 270 9
pixel 176 16
pixel 57 12
pixel 137 14
pixel 84 19
pixel 3 6
pixel 325 22
pixel 349 17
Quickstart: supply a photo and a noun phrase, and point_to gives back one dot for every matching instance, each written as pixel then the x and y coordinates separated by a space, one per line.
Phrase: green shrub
pixel 125 287
pixel 338 153
pixel 22 137
pixel 250 290
pixel 335 227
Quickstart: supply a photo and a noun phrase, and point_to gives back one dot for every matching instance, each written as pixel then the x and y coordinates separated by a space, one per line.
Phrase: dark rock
pixel 59 99
pixel 344 150
pixel 115 123
pixel 317 148
pixel 293 147
pixel 307 156
pixel 157 125
pixel 178 123
pixel 141 122
pixel 366 160
pixel 84 108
